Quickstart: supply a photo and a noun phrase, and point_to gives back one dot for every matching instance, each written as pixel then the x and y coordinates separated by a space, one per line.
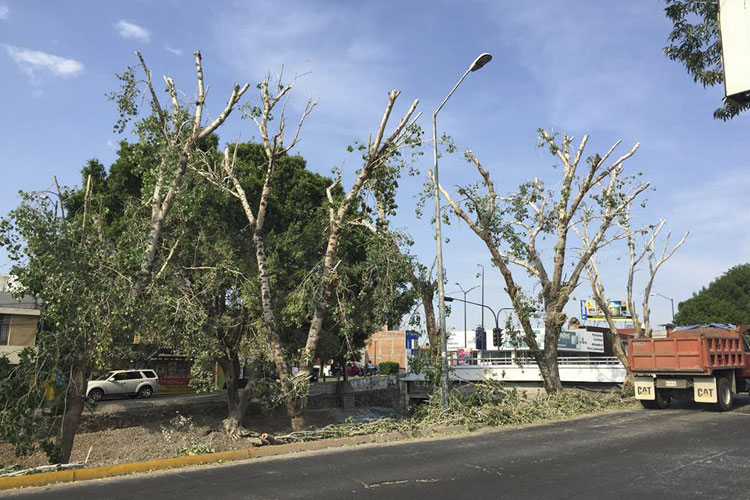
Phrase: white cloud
pixel 34 61
pixel 4 12
pixel 132 31
pixel 171 50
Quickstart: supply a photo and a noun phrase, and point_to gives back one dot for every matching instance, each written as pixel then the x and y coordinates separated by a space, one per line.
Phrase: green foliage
pixel 125 99
pixel 179 425
pixel 72 268
pixel 210 295
pixel 21 403
pixel 195 448
pixel 491 403
pixel 423 362
pixel 725 300
pixel 694 42
pixel 488 403
pixel 388 367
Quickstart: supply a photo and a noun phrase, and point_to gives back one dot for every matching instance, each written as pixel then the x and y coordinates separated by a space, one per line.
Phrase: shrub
pixel 388 367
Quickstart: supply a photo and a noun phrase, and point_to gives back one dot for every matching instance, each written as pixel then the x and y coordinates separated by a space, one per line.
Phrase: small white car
pixel 131 383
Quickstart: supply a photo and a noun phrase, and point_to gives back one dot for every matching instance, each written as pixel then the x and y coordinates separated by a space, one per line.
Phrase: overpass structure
pixel 584 370
pixel 520 371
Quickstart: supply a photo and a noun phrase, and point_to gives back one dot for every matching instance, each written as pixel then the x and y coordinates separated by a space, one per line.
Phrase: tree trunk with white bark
pixel 511 232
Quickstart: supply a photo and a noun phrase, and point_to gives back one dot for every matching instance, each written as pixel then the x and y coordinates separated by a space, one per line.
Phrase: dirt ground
pixel 134 437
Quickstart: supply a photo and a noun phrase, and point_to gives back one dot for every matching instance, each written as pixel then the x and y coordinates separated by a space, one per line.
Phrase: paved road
pixel 158 400
pixel 682 454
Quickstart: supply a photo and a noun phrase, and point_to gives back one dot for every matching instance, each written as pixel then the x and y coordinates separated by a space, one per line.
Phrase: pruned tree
pixel 377 154
pixel 225 176
pixel 646 249
pixel 341 210
pixel 382 188
pixel 179 133
pixel 655 260
pixel 84 269
pixel 512 226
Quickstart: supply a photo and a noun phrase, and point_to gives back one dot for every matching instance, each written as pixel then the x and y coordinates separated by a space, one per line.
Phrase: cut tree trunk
pixel 296 405
pixel 75 396
pixel 237 398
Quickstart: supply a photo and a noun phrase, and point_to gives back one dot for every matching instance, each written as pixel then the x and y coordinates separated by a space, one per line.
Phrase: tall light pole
pixel 482 266
pixel 670 299
pixel 495 315
pixel 465 292
pixel 478 63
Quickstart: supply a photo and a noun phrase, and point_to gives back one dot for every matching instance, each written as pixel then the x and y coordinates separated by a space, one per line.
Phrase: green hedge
pixel 388 367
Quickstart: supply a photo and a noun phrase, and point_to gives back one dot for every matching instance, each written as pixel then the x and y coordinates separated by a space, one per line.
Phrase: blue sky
pixel 576 67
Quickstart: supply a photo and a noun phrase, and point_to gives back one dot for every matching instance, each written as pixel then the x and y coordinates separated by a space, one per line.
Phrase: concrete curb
pixel 47 478
pixel 66 476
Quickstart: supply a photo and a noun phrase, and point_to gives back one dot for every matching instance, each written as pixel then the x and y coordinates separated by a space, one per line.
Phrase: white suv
pixel 131 383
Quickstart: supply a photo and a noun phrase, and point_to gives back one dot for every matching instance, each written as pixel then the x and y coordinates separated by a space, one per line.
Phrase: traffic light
pixel 497 336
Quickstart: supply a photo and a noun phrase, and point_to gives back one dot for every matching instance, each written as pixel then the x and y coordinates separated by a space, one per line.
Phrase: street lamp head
pixel 448 299
pixel 480 61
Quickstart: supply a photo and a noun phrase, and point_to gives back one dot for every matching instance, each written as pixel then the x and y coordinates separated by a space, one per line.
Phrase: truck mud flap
pixel 704 390
pixel 644 388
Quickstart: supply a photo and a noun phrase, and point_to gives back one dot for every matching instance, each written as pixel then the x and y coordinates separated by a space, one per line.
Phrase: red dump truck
pixel 705 364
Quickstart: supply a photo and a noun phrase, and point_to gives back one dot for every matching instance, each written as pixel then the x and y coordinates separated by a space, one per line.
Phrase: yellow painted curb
pixel 66 476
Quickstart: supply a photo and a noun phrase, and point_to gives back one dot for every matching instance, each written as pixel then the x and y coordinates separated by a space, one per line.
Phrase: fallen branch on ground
pixel 488 403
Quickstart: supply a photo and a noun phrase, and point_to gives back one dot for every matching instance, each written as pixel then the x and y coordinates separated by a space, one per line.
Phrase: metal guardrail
pixel 526 361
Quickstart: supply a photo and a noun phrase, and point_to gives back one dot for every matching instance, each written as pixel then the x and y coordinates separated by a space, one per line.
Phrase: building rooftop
pixel 8 301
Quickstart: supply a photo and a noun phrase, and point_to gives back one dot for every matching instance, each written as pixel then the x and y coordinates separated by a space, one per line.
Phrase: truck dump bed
pixel 698 351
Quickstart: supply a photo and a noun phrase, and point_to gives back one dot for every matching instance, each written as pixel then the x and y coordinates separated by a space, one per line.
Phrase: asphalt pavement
pixel 158 400
pixel 681 453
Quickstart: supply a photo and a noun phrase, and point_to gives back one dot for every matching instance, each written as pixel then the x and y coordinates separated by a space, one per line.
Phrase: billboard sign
pixel 456 340
pixel 590 311
pixel 734 29
pixel 581 341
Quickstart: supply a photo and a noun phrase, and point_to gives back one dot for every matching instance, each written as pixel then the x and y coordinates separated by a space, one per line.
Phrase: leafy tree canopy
pixel 725 300
pixel 694 42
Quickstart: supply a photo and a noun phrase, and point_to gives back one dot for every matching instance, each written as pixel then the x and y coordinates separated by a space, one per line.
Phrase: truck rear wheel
pixel 661 402
pixel 724 394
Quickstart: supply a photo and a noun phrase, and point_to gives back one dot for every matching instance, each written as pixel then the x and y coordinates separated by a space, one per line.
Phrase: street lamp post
pixel 482 266
pixel 465 292
pixel 478 63
pixel 495 315
pixel 670 299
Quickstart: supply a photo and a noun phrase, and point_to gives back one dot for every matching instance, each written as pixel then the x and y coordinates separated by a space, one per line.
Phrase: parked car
pixel 353 369
pixel 131 383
